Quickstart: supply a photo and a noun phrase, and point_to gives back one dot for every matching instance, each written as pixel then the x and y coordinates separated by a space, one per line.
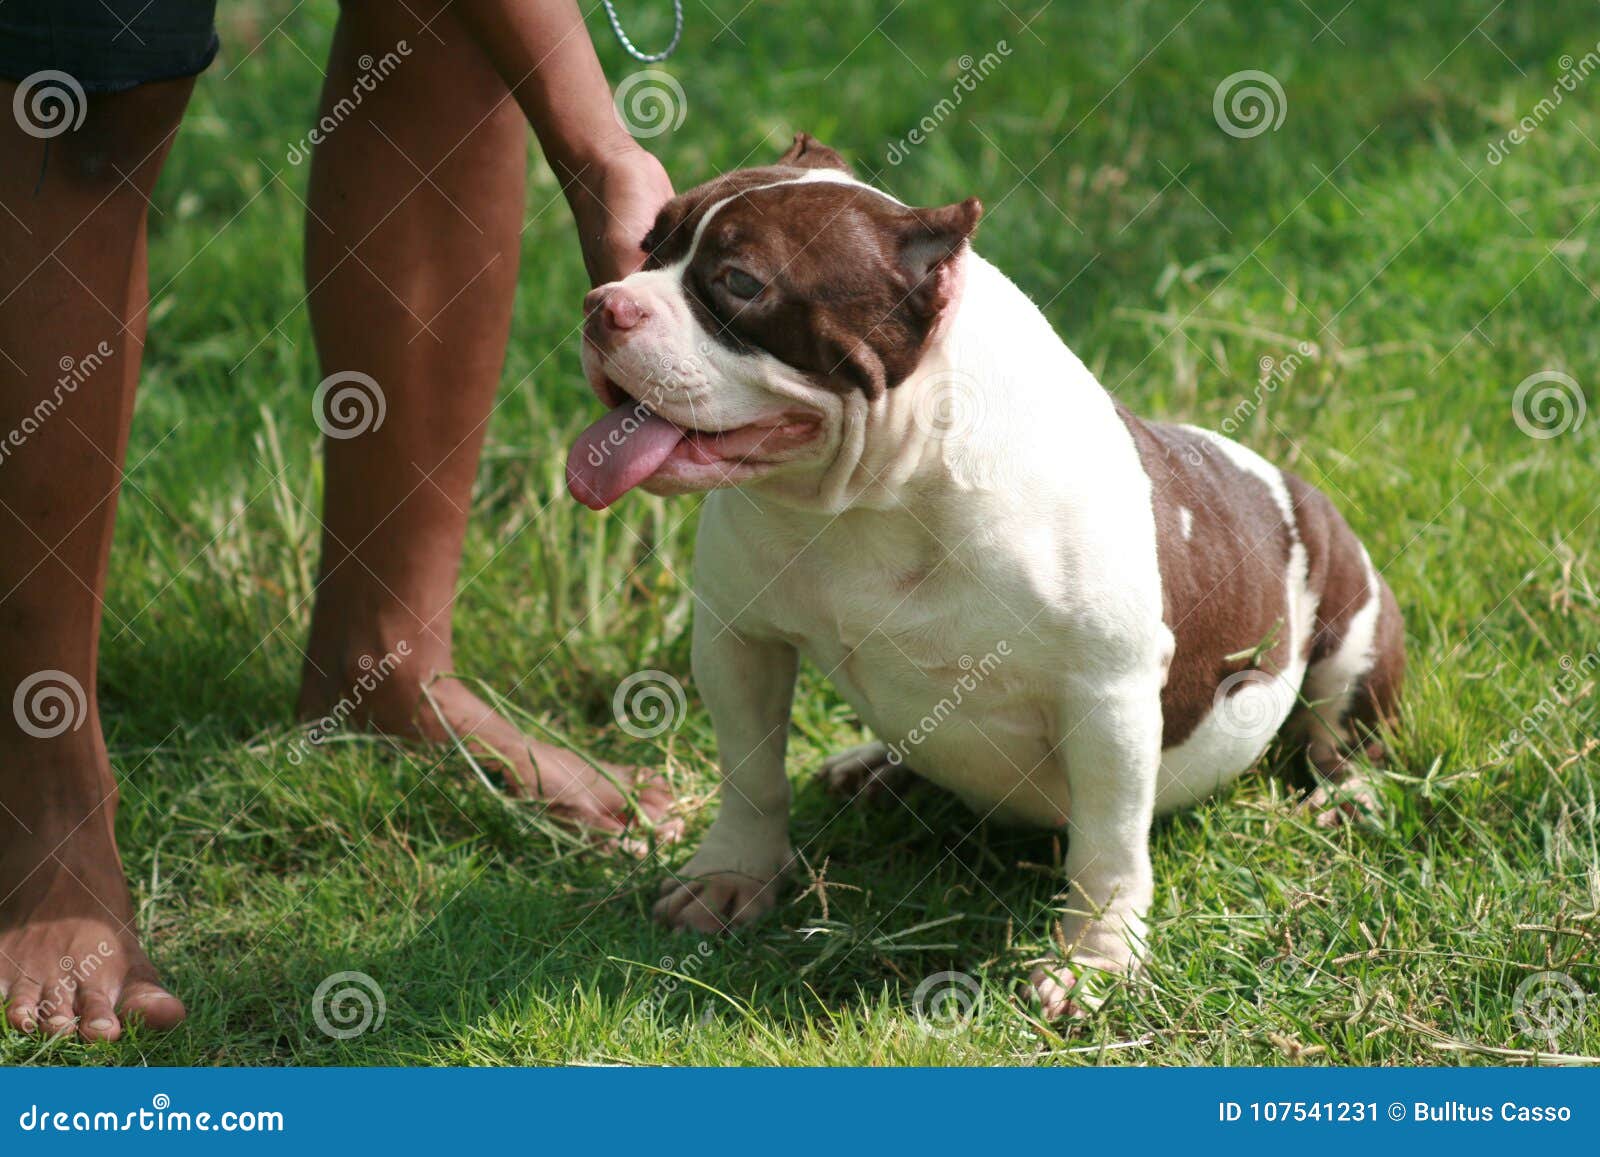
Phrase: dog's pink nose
pixel 614 308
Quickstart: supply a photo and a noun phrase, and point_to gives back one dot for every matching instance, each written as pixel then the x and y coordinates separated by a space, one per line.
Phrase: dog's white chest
pixel 926 646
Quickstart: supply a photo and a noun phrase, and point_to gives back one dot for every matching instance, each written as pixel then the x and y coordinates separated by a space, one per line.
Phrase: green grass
pixel 1173 257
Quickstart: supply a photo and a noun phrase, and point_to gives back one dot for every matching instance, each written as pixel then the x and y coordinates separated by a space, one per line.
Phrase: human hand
pixel 614 202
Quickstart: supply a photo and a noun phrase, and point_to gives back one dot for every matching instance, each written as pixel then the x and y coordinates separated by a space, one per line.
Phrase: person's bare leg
pixel 72 277
pixel 412 239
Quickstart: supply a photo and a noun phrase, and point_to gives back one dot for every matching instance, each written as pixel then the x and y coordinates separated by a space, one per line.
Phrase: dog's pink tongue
pixel 617 453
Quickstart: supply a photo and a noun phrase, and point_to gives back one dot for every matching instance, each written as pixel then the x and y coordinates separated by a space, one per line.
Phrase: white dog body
pixel 1067 617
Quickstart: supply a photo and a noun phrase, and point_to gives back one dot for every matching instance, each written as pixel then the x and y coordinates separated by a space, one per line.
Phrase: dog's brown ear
pixel 807 153
pixel 932 237
pixel 929 239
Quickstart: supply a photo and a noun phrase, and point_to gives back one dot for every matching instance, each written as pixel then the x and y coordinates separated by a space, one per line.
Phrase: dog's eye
pixel 741 285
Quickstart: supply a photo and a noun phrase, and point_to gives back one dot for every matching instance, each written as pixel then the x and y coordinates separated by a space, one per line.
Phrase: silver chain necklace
pixel 632 49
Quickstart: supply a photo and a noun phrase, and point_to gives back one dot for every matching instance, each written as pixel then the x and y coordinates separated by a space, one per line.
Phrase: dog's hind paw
pixel 865 772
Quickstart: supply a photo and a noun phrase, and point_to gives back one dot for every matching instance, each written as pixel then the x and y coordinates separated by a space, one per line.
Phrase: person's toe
pixel 144 1000
pixel 22 1013
pixel 97 1017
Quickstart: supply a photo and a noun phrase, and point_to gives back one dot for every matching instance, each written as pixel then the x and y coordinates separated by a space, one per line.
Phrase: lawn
pixel 1400 260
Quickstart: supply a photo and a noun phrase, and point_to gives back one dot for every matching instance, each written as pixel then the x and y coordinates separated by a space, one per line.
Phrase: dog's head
pixel 769 297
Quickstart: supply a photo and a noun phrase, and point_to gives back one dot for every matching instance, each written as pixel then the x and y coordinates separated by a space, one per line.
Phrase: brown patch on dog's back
pixel 1224 586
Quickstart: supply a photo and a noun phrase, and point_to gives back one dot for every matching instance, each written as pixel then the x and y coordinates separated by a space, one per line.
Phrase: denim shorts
pixel 107 45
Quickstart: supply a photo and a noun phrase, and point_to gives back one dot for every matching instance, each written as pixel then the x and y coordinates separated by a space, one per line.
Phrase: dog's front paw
pixel 710 897
pixel 1065 988
pixel 1101 954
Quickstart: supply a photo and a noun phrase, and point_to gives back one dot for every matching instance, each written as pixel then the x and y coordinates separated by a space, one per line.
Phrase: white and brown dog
pixel 911 471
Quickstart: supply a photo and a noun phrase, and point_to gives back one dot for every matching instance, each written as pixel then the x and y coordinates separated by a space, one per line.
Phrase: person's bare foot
pixel 612 800
pixel 70 959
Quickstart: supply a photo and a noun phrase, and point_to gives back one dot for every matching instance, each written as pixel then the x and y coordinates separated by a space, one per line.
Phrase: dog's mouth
pixel 632 444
